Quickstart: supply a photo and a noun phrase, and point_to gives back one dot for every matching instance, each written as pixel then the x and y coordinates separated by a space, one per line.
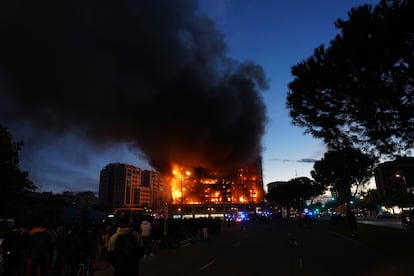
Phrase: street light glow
pixel 407 190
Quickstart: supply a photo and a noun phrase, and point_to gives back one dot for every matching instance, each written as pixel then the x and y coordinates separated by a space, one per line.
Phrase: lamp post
pixel 406 187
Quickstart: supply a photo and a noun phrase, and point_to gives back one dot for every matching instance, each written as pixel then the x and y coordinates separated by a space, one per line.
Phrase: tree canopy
pixel 13 181
pixel 360 90
pixel 295 190
pixel 339 170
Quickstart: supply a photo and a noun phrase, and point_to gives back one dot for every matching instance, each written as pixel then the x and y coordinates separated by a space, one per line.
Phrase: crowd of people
pixel 45 249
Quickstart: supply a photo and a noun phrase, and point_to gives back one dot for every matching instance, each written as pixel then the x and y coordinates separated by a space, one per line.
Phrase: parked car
pixel 384 214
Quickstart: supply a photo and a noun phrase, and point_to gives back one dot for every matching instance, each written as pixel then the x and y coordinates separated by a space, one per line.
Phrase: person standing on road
pixel 146 230
pixel 125 248
pixel 351 219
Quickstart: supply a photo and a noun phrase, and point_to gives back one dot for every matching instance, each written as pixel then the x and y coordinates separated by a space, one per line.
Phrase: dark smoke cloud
pixel 302 160
pixel 307 160
pixel 153 74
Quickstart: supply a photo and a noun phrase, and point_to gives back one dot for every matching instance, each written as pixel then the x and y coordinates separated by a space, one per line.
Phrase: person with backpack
pixel 146 234
pixel 125 248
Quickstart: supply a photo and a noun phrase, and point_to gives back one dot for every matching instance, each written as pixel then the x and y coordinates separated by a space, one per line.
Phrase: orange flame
pixel 186 188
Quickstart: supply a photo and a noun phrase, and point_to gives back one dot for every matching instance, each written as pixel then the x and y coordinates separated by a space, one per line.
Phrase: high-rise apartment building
pixel 275 184
pixel 120 186
pixel 243 185
pixel 157 194
pixel 126 186
pixel 394 180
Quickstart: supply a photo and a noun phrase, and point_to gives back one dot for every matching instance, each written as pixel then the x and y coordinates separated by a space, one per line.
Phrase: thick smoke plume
pixel 153 74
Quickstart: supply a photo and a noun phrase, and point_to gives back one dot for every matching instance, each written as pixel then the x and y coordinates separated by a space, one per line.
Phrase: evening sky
pixel 275 34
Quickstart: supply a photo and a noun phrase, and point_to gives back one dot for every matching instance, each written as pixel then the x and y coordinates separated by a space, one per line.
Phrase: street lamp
pixel 406 187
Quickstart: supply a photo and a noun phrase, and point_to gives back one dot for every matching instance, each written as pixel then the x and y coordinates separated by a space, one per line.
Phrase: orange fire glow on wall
pixel 188 188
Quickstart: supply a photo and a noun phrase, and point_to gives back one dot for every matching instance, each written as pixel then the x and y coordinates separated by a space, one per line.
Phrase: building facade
pixel 243 185
pixel 275 184
pixel 126 186
pixel 394 181
pixel 158 195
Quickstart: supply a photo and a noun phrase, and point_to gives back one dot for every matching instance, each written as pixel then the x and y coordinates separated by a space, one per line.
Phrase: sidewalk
pixel 104 268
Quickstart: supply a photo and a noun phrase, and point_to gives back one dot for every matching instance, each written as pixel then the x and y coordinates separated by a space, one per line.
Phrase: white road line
pixel 237 244
pixel 300 263
pixel 207 265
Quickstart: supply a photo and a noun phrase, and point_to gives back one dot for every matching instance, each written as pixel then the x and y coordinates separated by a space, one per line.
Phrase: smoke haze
pixel 152 74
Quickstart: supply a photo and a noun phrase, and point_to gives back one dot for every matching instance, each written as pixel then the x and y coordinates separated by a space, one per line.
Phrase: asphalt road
pixel 276 249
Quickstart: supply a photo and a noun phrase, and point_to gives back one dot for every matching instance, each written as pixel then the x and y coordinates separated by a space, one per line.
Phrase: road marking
pixel 300 263
pixel 207 265
pixel 236 244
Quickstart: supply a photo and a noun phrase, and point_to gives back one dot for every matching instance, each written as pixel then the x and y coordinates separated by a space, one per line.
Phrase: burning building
pixel 243 185
pixel 126 186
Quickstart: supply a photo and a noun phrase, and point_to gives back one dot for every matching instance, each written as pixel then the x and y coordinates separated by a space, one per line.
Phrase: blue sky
pixel 274 34
pixel 278 35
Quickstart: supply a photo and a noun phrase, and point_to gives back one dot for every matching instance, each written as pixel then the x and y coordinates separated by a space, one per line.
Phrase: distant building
pixel 126 186
pixel 242 185
pixel 118 186
pixel 82 200
pixel 158 195
pixel 274 184
pixel 394 180
pixel 247 185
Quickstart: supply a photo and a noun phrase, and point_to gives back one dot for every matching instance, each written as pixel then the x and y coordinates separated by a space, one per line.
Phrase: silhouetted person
pixel 125 248
pixel 12 249
pixel 351 219
pixel 146 234
pixel 39 249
